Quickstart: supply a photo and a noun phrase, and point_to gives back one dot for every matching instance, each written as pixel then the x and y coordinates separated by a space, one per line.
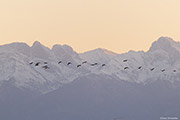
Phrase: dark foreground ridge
pixel 92 98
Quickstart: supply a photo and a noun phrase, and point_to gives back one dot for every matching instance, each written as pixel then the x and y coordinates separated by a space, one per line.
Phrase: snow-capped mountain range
pixel 18 64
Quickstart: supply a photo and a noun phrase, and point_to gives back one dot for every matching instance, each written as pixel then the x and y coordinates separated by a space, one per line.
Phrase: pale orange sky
pixel 117 25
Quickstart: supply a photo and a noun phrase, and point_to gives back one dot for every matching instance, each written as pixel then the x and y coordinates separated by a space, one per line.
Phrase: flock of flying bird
pixel 92 64
pixel 69 63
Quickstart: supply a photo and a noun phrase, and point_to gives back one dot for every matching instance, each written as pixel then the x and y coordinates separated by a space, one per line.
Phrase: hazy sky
pixel 118 25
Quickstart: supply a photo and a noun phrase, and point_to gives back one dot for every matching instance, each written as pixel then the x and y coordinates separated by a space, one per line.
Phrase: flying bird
pixel 59 62
pixel 140 67
pixel 174 70
pixel 78 66
pixel 125 60
pixel 162 70
pixel 45 67
pixel 94 64
pixel 126 68
pixel 103 65
pixel 37 64
pixel 45 62
pixel 152 69
pixel 84 62
pixel 31 63
pixel 69 63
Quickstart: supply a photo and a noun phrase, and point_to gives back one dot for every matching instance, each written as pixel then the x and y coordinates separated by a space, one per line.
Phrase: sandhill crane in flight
pixel 103 65
pixel 45 67
pixel 94 64
pixel 37 64
pixel 59 62
pixel 84 62
pixel 78 66
pixel 126 68
pixel 125 60
pixel 69 63
pixel 162 70
pixel 31 63
pixel 152 69
pixel 140 67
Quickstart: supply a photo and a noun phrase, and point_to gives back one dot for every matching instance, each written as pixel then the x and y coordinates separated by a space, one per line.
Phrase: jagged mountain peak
pixel 165 44
pixel 65 48
pixel 65 53
pixel 163 39
pixel 37 43
pixel 103 50
pixel 106 51
pixel 16 47
pixel 163 54
pixel 40 51
pixel 68 48
pixel 98 55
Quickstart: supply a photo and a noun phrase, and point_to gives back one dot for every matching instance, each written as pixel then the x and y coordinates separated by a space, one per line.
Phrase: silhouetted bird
pixel 59 62
pixel 125 60
pixel 174 70
pixel 103 65
pixel 31 63
pixel 94 64
pixel 69 63
pixel 126 68
pixel 45 67
pixel 140 67
pixel 84 62
pixel 162 70
pixel 37 64
pixel 45 62
pixel 152 69
pixel 78 66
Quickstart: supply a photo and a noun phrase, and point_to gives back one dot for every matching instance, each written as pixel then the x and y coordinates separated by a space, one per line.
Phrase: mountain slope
pixel 41 83
pixel 43 69
pixel 164 55
pixel 18 63
pixel 94 97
